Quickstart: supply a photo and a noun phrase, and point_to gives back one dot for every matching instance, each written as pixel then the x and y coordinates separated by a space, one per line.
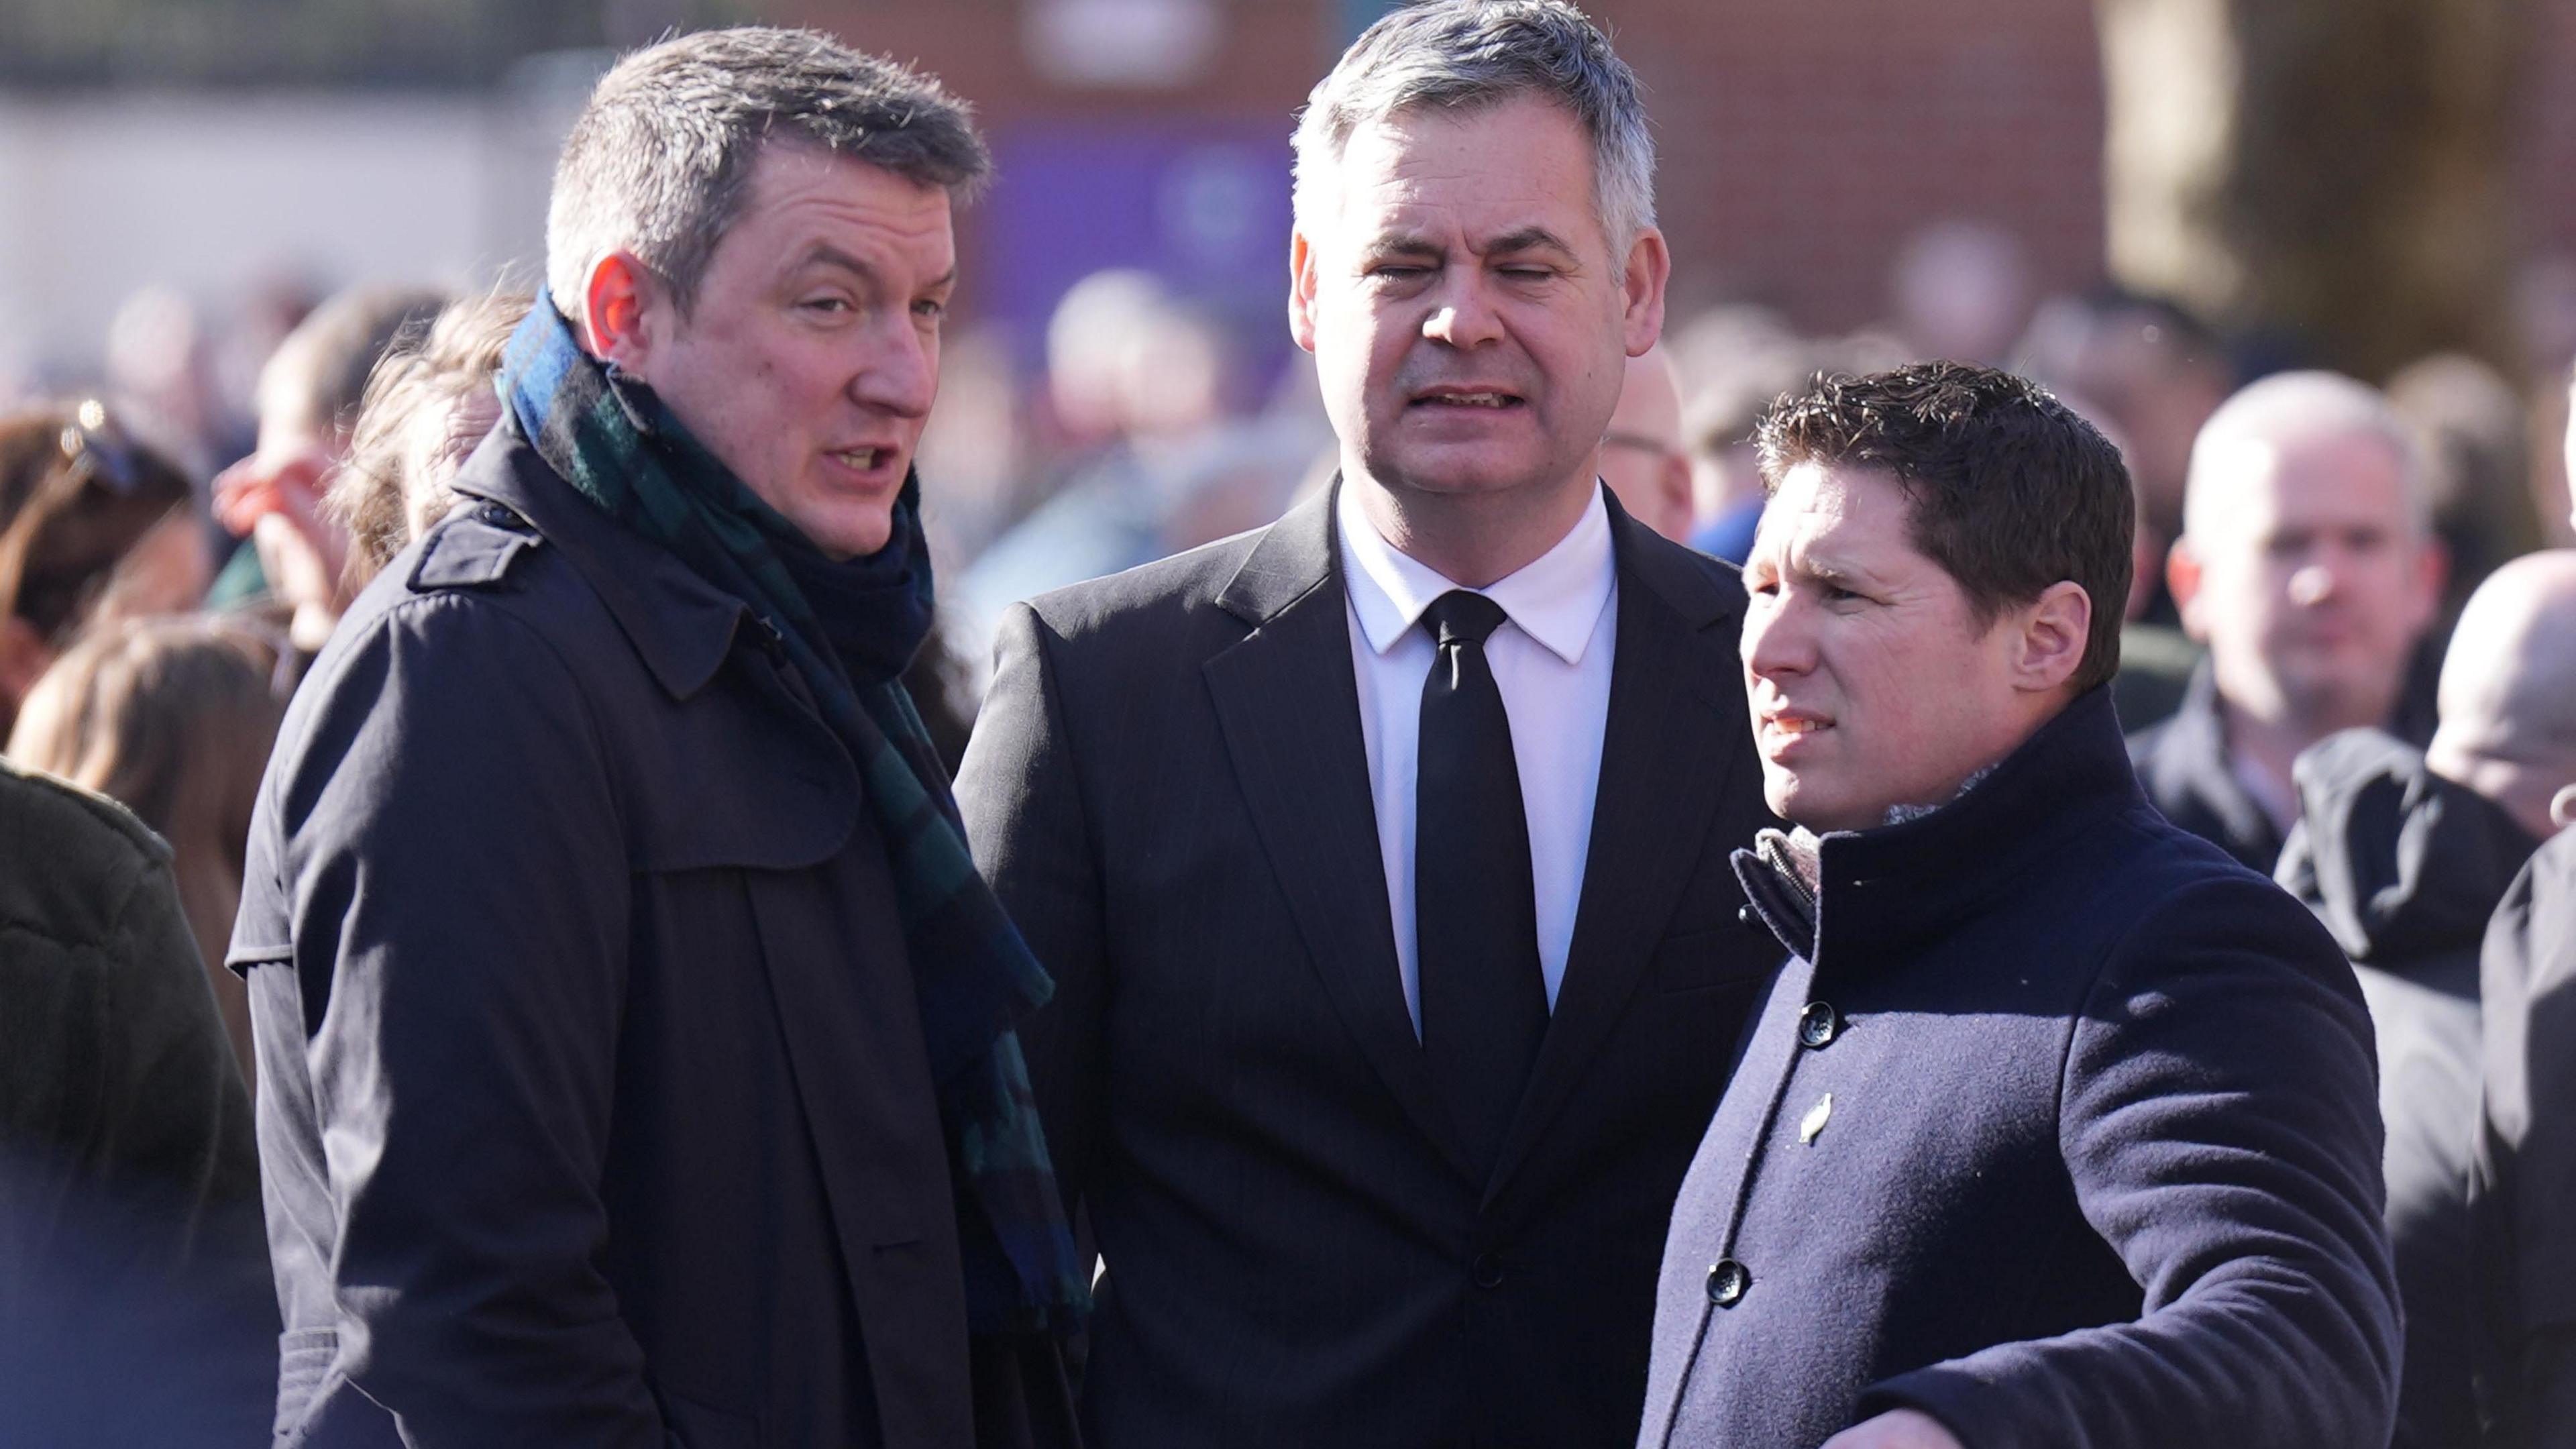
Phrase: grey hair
pixel 660 160
pixel 2294 406
pixel 1464 54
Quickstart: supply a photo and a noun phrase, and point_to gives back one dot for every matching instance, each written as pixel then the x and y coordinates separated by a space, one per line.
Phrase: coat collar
pixel 682 625
pixel 1896 886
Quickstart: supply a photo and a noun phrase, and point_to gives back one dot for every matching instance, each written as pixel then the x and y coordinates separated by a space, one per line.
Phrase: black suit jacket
pixel 1169 788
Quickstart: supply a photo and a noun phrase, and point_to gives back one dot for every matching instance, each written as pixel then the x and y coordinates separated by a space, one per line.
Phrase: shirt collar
pixel 1555 599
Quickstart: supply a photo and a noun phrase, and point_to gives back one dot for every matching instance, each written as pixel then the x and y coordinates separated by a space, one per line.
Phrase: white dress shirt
pixel 1552 664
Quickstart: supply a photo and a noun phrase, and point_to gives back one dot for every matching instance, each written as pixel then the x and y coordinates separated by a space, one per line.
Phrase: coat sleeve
pixel 2525 1168
pixel 2219 1122
pixel 1032 836
pixel 458 886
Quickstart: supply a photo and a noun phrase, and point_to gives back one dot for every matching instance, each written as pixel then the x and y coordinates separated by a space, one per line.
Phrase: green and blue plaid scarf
pixel 616 443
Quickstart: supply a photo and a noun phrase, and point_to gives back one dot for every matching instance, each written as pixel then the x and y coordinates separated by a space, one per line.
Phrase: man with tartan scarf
pixel 638 1050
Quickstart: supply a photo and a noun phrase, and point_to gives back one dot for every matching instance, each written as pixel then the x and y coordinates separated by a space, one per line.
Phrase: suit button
pixel 1727 1281
pixel 1487 1271
pixel 1744 914
pixel 1819 1024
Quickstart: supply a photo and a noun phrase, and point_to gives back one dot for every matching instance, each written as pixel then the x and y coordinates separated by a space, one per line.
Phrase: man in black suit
pixel 1380 855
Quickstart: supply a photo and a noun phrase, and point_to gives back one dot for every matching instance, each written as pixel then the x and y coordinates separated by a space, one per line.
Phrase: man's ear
pixel 1302 284
pixel 1650 266
pixel 618 306
pixel 2054 630
pixel 24 657
pixel 2182 580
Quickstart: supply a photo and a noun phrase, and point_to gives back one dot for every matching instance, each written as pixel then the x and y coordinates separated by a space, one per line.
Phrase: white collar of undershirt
pixel 1556 598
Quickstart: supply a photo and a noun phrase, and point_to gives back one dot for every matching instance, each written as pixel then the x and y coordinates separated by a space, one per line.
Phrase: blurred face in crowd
pixel 2313 580
pixel 1872 681
pixel 1641 455
pixel 1470 319
pixel 808 361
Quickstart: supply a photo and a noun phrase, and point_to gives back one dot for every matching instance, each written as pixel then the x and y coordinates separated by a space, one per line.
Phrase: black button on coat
pixel 2101 1161
pixel 593 1108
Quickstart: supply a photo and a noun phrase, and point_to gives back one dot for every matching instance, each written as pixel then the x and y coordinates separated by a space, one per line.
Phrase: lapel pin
pixel 1815 1121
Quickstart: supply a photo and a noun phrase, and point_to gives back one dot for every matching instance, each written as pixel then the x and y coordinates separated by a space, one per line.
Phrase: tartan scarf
pixel 620 447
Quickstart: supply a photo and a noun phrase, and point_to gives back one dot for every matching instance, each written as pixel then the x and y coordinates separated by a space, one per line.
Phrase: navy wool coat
pixel 593 1103
pixel 2058 1125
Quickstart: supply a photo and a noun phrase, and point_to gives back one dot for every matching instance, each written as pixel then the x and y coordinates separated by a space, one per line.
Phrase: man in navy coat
pixel 2058 1126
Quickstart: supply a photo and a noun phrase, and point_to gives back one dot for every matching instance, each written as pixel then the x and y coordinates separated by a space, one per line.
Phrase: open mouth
pixel 1491 401
pixel 1784 730
pixel 865 460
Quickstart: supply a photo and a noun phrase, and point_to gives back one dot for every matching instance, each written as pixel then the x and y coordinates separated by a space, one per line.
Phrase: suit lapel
pixel 1676 729
pixel 1289 707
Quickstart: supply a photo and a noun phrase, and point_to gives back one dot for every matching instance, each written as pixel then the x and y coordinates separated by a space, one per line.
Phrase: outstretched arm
pixel 2220 1122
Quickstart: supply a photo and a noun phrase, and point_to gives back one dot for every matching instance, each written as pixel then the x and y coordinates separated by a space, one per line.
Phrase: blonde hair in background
pixel 425 409
pixel 172 717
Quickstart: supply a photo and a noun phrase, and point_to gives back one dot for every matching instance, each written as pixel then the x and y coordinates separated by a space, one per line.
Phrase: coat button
pixel 1727 1281
pixel 1487 1270
pixel 1744 914
pixel 1819 1024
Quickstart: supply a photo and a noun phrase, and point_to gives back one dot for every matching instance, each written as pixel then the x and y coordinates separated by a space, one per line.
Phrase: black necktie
pixel 1484 1003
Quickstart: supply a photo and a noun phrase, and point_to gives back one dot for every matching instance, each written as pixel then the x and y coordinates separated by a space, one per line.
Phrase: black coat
pixel 1169 788
pixel 135 1305
pixel 2183 764
pixel 2059 1126
pixel 2404 868
pixel 593 1103
pixel 2524 1179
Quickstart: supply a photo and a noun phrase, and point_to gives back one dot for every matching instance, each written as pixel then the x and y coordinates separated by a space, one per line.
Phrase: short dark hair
pixel 660 160
pixel 2011 491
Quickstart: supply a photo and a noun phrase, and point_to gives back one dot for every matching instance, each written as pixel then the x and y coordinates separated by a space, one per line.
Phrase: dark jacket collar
pixel 1299 553
pixel 1896 886
pixel 2186 770
pixel 682 625
pixel 2399 863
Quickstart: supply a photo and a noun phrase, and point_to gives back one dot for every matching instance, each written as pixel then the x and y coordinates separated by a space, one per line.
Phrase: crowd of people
pixel 1546 876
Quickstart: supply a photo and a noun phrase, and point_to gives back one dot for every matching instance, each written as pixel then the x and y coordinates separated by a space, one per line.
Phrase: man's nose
pixel 1463 317
pixel 2314 583
pixel 1777 640
pixel 900 374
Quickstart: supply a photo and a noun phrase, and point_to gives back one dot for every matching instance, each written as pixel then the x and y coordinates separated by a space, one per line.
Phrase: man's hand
pixel 1896 1429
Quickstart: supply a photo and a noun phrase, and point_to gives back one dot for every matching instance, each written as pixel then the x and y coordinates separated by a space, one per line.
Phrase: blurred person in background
pixel 423 412
pixel 2404 854
pixel 135 1300
pixel 1140 379
pixel 85 512
pixel 310 391
pixel 171 717
pixel 2523 1173
pixel 1960 289
pixel 1379 853
pixel 1732 361
pixel 2157 374
pixel 2309 570
pixel 1641 455
pixel 161 374
pixel 2478 450
pixel 637 1051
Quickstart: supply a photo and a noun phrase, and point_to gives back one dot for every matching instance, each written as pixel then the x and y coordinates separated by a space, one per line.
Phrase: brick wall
pixel 1802 139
